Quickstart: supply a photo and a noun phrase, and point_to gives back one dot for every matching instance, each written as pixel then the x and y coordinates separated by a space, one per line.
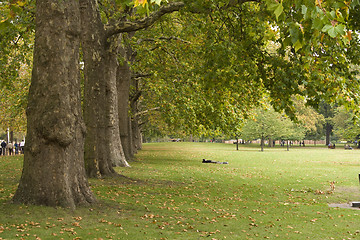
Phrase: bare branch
pixel 146 111
pixel 141 75
pixel 162 38
pixel 136 96
pixel 127 26
pixel 174 38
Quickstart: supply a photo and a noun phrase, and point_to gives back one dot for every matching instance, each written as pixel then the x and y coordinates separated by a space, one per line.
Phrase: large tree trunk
pixel 135 125
pixel 53 172
pixel 287 145
pixel 262 143
pixel 116 153
pixel 271 143
pixel 138 139
pixel 328 129
pixel 123 87
pixel 135 128
pixel 103 148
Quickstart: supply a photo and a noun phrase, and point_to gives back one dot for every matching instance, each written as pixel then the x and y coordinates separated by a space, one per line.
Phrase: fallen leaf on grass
pixel 34 223
pixel 76 224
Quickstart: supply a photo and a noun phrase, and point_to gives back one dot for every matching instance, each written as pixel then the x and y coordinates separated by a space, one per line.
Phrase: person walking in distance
pixel 3 147
pixel 16 147
pixel 10 148
pixel 22 146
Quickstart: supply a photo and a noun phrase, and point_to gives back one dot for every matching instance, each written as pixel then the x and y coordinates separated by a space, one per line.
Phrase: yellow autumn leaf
pixel 318 2
pixel 348 35
pixel 140 2
pixel 21 3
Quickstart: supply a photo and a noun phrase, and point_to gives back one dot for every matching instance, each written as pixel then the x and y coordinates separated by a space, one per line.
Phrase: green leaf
pixel 5 26
pixel 147 9
pixel 317 24
pixel 278 11
pixel 340 29
pixel 355 3
pixel 304 9
pixel 326 28
pixel 333 14
pixel 308 12
pixel 297 45
pixel 332 32
pixel 271 6
pixel 295 33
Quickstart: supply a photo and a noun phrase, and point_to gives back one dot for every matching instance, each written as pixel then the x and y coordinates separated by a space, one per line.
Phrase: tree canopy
pixel 345 126
pixel 211 64
pixel 16 45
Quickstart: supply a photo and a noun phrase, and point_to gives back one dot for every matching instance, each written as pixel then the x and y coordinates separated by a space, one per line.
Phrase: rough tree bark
pixel 123 88
pixel 103 148
pixel 137 136
pixel 53 172
pixel 135 126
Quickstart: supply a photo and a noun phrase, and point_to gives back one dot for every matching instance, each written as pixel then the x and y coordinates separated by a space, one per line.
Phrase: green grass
pixel 169 194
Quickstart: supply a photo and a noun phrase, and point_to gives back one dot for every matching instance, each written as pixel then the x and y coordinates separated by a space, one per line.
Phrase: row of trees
pixel 206 67
pixel 267 124
pixel 345 125
pixel 54 114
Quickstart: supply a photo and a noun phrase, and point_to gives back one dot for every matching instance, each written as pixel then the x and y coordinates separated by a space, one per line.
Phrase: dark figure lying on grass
pixel 210 161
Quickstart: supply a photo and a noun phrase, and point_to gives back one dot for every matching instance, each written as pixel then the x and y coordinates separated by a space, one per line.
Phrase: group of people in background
pixel 11 148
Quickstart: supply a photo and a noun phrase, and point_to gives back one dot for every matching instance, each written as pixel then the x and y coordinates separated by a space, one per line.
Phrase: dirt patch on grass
pixel 351 190
pixel 350 193
pixel 343 205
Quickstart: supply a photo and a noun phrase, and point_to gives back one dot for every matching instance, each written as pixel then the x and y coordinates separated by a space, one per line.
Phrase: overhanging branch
pixel 127 26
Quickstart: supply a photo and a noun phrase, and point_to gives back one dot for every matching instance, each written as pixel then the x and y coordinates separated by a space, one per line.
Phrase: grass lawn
pixel 169 194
